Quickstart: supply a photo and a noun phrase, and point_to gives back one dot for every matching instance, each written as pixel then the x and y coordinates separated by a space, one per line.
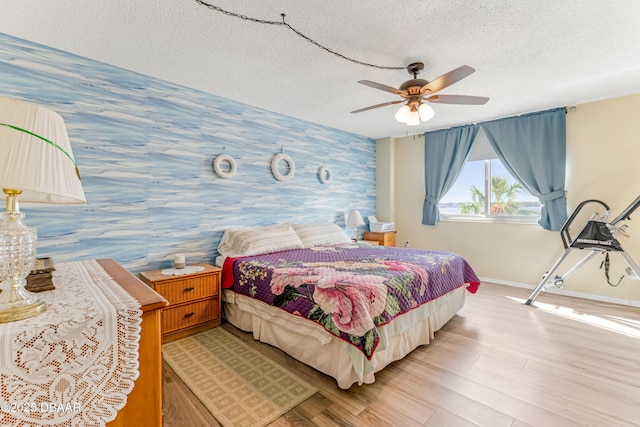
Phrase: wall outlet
pixel 407 244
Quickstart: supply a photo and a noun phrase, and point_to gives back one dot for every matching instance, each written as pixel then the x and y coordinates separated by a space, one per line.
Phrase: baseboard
pixel 555 290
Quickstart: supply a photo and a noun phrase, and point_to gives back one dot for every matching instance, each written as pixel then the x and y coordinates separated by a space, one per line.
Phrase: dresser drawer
pixel 189 288
pixel 183 316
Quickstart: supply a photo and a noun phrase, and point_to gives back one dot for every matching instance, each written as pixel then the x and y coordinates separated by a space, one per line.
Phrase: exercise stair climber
pixel 597 237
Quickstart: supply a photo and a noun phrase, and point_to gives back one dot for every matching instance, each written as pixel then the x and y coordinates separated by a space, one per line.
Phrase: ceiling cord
pixel 283 23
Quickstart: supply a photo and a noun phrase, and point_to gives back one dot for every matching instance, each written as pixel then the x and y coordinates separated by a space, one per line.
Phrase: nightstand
pixel 384 238
pixel 194 300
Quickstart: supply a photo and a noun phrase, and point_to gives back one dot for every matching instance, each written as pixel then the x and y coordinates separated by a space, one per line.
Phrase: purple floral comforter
pixel 349 289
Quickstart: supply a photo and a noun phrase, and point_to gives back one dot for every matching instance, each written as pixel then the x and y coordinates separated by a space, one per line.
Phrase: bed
pixel 345 308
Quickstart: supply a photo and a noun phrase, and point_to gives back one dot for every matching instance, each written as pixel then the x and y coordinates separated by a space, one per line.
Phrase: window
pixel 486 191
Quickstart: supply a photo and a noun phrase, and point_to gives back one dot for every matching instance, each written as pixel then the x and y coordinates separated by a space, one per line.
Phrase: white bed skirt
pixel 311 344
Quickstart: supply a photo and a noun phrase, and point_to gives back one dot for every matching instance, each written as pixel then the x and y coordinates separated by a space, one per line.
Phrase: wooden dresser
pixel 144 403
pixel 194 300
pixel 384 238
pixel 76 382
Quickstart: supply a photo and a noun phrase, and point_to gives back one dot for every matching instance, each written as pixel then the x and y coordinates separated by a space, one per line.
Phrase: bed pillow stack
pixel 249 241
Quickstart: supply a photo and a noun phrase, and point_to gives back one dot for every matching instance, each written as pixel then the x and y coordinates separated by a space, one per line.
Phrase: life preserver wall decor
pixel 325 175
pixel 274 167
pixel 217 166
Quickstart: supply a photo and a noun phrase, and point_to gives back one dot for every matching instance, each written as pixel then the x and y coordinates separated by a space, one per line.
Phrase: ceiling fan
pixel 416 91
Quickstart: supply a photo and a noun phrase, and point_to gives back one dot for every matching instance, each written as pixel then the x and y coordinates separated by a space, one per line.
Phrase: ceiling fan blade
pixel 384 104
pixel 458 99
pixel 447 79
pixel 384 87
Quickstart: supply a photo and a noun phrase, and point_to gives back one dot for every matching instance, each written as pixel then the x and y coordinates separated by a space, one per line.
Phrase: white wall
pixel 385 179
pixel 603 154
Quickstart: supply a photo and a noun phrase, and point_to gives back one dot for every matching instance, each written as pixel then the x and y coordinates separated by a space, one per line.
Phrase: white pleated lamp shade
pixel 35 154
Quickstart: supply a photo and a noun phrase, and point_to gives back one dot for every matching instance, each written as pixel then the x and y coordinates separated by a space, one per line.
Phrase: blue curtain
pixel 533 149
pixel 445 152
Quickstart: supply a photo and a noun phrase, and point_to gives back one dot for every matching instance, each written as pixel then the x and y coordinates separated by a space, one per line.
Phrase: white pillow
pixel 233 235
pixel 258 240
pixel 321 234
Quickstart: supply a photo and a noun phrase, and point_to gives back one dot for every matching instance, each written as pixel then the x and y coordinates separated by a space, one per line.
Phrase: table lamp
pixel 354 220
pixel 36 163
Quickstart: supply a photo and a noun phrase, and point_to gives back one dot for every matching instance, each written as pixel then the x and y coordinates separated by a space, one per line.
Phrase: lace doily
pixel 74 364
pixel 189 269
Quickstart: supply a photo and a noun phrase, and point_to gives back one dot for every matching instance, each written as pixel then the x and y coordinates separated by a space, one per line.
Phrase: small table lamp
pixel 354 220
pixel 36 163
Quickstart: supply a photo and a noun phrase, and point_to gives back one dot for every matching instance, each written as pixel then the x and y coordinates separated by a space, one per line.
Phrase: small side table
pixel 384 238
pixel 194 300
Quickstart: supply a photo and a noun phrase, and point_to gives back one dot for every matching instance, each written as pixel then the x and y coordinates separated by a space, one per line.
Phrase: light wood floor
pixel 497 363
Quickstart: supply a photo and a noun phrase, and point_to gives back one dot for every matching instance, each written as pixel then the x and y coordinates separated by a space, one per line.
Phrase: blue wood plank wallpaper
pixel 145 149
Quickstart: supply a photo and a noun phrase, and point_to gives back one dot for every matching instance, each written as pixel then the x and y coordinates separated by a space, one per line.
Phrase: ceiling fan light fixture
pixel 402 115
pixel 426 112
pixel 414 118
pixel 415 91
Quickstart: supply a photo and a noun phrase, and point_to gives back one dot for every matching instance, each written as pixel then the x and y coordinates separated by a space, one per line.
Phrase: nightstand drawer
pixel 189 288
pixel 194 300
pixel 183 316
pixel 385 238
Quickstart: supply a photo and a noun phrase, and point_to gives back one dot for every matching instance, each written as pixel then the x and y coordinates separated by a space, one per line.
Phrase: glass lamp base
pixel 16 303
pixel 17 256
pixel 15 311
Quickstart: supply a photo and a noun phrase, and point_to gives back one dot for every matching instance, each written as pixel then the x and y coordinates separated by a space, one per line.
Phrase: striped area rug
pixel 238 385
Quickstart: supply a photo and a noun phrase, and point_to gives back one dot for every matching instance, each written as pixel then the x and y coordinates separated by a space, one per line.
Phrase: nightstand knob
pixel 188 289
pixel 187 315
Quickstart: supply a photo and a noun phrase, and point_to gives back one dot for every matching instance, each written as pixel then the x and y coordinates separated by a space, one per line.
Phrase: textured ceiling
pixel 528 55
